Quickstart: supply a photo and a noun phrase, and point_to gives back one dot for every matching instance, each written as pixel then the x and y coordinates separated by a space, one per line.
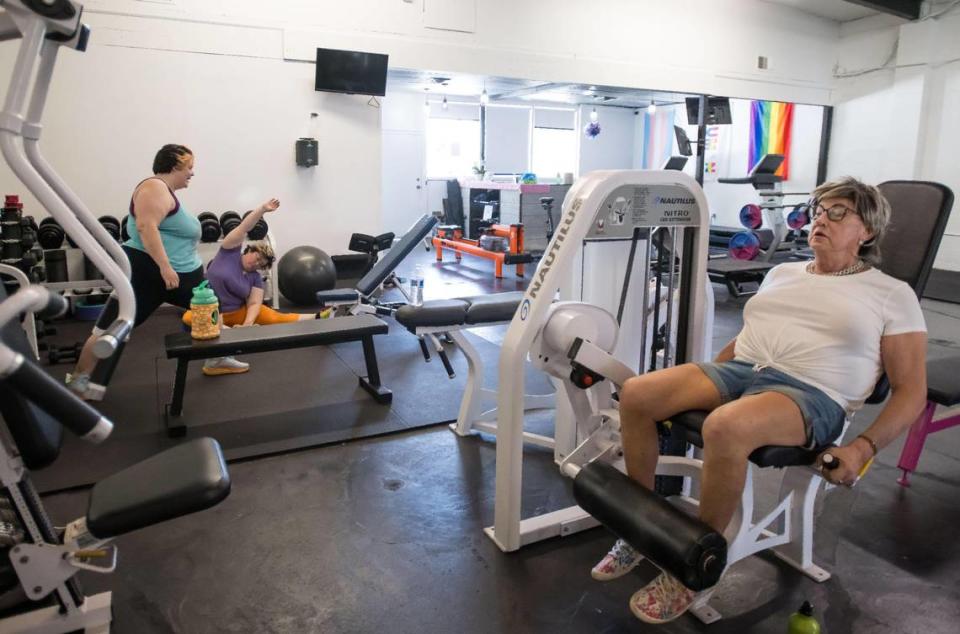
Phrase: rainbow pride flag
pixel 771 124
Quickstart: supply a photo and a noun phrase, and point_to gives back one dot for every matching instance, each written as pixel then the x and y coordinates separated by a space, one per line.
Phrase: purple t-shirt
pixel 229 281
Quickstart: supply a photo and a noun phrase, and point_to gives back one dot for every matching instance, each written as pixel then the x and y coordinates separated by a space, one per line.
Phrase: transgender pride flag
pixel 770 125
pixel 657 138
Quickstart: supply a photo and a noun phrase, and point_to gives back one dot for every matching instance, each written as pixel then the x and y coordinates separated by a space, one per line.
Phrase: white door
pixel 403 187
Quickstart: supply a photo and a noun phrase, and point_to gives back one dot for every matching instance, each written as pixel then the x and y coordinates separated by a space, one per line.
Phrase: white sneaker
pixel 224 365
pixel 81 385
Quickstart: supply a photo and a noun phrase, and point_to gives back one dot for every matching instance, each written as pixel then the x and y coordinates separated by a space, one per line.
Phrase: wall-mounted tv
pixel 718 111
pixel 351 72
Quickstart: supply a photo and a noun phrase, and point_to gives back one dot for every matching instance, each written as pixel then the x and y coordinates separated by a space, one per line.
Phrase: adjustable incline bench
pixel 364 297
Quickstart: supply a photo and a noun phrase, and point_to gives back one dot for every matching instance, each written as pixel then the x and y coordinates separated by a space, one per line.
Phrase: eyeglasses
pixel 835 213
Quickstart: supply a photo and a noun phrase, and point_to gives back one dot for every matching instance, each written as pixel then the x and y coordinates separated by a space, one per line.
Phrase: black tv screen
pixel 351 72
pixel 718 111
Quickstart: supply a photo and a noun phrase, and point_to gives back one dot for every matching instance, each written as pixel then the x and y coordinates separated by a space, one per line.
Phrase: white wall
pixel 614 148
pixel 895 115
pixel 110 109
pixel 605 41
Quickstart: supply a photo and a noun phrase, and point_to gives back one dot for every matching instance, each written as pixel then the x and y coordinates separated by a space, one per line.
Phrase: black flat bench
pixel 300 334
pixel 460 312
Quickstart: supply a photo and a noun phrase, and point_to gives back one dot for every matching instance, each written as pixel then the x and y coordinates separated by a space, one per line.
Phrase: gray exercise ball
pixel 304 270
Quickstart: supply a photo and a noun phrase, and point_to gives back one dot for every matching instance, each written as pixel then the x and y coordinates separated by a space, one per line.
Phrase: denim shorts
pixel 823 417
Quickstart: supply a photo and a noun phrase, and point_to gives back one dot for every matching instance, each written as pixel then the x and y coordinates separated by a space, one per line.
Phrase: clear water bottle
pixel 416 286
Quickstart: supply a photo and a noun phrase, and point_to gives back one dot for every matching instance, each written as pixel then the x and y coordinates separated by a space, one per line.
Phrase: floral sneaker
pixel 621 559
pixel 661 600
pixel 81 385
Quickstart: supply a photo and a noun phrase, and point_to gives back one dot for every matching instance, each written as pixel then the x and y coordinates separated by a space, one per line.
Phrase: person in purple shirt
pixel 234 275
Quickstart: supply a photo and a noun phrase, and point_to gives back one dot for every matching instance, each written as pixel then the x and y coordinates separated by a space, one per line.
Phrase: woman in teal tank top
pixel 162 250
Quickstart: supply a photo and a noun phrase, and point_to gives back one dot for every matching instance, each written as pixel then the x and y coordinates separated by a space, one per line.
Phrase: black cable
pixel 658 236
pixel 626 277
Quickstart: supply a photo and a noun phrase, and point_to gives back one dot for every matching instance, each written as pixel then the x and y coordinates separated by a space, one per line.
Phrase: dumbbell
pixel 259 230
pixel 28 235
pixel 124 234
pixel 112 225
pixel 751 216
pixel 799 217
pixel 64 354
pixel 209 227
pixel 229 221
pixel 50 234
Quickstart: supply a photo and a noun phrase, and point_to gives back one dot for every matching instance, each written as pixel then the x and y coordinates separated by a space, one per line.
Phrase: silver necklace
pixel 856 267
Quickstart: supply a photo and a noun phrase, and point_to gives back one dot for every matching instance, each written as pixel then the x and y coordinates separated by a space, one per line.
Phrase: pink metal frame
pixel 923 427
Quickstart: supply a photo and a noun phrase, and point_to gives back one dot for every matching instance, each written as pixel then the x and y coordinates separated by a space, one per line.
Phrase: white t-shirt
pixel 825 330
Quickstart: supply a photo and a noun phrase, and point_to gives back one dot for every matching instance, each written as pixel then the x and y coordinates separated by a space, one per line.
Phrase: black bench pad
pixel 488 309
pixel 691 424
pixel 338 295
pixel 482 309
pixel 732 265
pixel 179 481
pixel 432 313
pixel 313 332
pixel 943 381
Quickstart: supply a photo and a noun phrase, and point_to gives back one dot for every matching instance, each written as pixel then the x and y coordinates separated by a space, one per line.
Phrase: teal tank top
pixel 179 233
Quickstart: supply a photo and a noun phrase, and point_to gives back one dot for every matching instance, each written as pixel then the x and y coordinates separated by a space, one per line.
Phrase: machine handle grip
pixel 59 402
pixel 110 340
pixel 56 306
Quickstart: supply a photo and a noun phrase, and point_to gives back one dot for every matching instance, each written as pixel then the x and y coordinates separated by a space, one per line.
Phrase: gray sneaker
pixel 82 386
pixel 224 365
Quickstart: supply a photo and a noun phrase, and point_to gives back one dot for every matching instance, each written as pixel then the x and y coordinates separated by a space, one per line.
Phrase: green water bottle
pixel 206 312
pixel 802 621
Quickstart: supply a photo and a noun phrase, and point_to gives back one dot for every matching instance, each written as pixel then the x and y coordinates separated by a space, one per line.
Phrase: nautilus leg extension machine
pixel 578 343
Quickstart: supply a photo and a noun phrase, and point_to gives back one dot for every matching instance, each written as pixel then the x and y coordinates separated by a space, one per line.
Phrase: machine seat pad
pixel 488 309
pixel 943 381
pixel 731 265
pixel 179 481
pixel 433 313
pixel 691 424
pixel 339 294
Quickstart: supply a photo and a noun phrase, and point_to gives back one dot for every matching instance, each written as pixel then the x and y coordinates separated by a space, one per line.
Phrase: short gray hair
pixel 871 205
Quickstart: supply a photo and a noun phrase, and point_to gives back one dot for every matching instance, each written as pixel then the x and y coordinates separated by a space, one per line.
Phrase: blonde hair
pixel 871 205
pixel 264 249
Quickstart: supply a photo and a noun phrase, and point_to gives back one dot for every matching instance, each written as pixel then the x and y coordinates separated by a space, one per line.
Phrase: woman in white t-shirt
pixel 815 339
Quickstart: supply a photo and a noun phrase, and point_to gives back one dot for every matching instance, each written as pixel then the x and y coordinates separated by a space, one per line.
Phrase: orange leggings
pixel 266 317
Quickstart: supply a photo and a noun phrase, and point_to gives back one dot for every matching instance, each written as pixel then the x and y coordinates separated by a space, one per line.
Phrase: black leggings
pixel 149 289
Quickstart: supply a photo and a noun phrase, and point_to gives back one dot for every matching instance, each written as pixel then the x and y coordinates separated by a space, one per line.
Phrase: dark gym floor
pixel 384 535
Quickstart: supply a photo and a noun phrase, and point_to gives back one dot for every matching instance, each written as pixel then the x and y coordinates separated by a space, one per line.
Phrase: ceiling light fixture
pixel 594 116
pixel 652 108
pixel 484 97
pixel 444 103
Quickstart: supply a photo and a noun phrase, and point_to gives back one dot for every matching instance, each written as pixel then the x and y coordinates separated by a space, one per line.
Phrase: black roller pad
pixel 677 543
